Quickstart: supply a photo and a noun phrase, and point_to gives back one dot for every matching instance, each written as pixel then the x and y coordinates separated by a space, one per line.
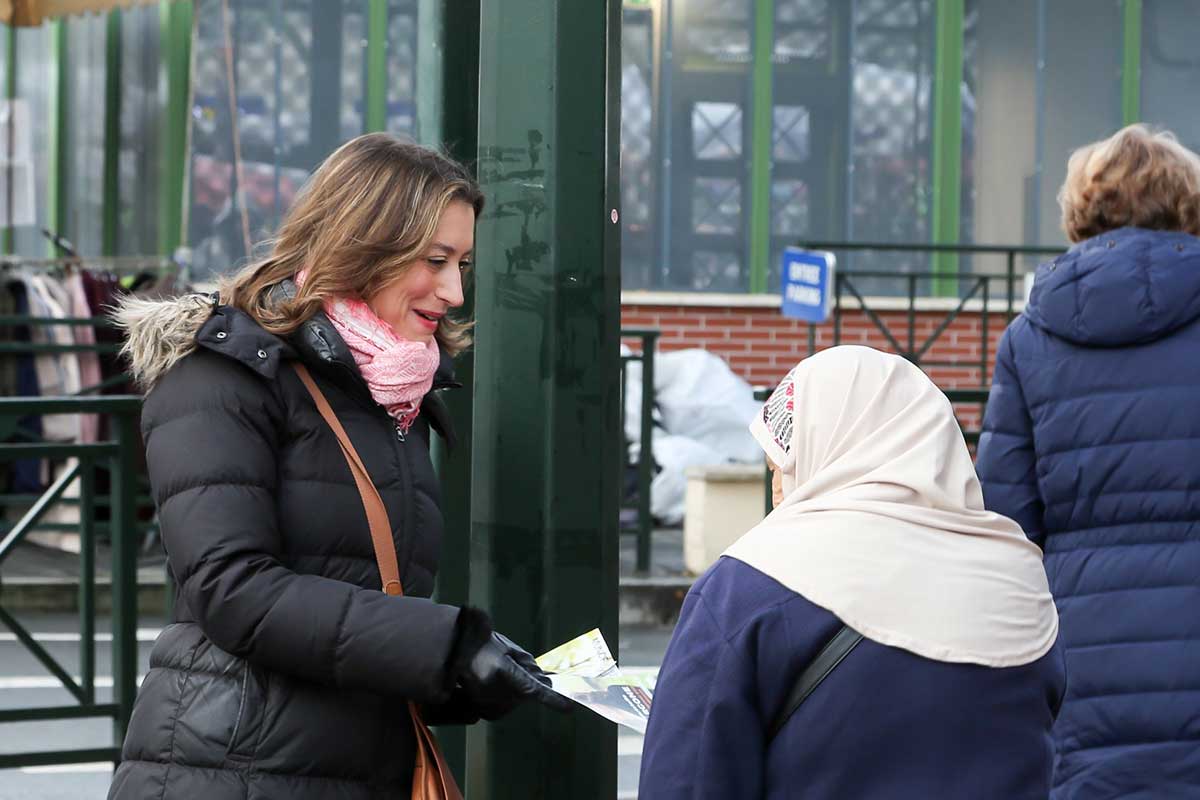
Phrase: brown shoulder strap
pixel 377 518
pixel 432 777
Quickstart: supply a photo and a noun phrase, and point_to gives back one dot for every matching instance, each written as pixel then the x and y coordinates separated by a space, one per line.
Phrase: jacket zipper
pixel 404 547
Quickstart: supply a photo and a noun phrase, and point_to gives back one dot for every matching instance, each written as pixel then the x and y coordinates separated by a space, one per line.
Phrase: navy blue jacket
pixel 1092 443
pixel 884 724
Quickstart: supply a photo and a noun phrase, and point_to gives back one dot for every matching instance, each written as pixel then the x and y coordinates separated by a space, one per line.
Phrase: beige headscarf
pixel 882 521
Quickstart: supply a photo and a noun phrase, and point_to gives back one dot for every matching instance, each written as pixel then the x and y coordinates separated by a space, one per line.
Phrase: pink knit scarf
pixel 399 372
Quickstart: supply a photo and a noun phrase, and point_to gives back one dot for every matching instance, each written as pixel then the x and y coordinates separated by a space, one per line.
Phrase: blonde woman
pixel 878 532
pixel 288 673
pixel 1092 443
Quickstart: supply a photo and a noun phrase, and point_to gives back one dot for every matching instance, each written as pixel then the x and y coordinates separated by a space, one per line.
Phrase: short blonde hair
pixel 1137 177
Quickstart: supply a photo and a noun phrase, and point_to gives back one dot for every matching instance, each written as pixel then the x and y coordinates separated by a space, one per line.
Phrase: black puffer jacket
pixel 287 671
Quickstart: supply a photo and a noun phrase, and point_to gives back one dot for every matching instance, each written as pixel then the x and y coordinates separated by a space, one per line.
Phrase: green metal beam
pixel 111 208
pixel 10 93
pixel 947 140
pixel 429 92
pixel 123 490
pixel 375 118
pixel 58 153
pixel 55 757
pixel 458 127
pixel 175 17
pixel 1131 61
pixel 547 379
pixel 761 144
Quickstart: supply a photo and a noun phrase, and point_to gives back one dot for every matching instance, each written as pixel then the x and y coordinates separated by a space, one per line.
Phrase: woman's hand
pixel 501 676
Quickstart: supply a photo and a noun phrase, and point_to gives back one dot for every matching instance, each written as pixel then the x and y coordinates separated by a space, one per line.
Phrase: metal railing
pixel 977 285
pixel 645 464
pixel 10 349
pixel 120 454
pixel 970 286
pixel 973 285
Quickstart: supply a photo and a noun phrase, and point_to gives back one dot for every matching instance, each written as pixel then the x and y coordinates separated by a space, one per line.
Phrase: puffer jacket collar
pixel 234 334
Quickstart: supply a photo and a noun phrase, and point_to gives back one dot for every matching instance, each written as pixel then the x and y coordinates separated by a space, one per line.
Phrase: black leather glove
pixel 501 676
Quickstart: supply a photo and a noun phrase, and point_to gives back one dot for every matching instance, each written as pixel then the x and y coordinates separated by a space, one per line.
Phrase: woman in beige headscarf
pixel 946 678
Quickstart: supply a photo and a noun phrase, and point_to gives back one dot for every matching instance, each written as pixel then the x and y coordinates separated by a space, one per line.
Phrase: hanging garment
pixel 60 427
pixel 8 367
pixel 58 373
pixel 89 363
pixel 25 474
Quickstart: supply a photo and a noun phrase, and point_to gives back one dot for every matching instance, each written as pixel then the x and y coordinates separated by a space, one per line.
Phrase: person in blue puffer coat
pixel 1092 443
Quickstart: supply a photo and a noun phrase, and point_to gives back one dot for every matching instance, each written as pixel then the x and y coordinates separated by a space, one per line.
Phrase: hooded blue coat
pixel 1092 443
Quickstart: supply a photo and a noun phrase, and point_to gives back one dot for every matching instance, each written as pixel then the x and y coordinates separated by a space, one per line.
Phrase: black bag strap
pixel 830 656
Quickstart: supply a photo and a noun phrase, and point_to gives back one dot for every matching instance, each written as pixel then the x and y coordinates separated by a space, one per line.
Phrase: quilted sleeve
pixel 212 433
pixel 1007 462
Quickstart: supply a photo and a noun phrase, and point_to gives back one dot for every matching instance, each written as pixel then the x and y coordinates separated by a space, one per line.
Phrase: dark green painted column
pixel 58 152
pixel 1131 61
pixel 546 428
pixel 458 127
pixel 10 94
pixel 375 116
pixel 176 44
pixel 112 134
pixel 762 121
pixel 947 142
pixel 325 84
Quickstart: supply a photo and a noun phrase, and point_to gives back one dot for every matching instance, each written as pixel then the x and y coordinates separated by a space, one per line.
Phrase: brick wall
pixel 761 345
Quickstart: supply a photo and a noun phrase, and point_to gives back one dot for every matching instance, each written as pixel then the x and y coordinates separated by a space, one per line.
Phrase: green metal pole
pixel 375 118
pixel 430 95
pixel 646 454
pixel 761 141
pixel 763 394
pixel 547 377
pixel 175 18
pixel 947 141
pixel 58 151
pixel 10 93
pixel 458 127
pixel 87 579
pixel 112 135
pixel 124 532
pixel 1131 62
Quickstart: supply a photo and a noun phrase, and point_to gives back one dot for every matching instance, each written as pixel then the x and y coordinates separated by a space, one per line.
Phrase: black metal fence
pixel 119 455
pixel 644 524
pixel 1003 288
pixel 998 294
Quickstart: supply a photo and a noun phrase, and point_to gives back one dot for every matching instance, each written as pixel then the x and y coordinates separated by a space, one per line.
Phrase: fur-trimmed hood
pixel 158 333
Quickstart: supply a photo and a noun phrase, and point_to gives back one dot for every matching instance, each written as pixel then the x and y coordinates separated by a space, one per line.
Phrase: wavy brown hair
pixel 1137 177
pixel 360 222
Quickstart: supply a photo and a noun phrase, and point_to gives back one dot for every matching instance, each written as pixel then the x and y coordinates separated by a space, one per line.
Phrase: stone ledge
pixel 62 595
pixel 652 601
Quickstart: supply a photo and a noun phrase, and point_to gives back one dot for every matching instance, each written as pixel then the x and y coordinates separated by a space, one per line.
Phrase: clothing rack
pixel 32 340
pixel 117 265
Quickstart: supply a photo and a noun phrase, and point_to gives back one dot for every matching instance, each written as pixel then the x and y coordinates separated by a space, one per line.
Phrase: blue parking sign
pixel 807 281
